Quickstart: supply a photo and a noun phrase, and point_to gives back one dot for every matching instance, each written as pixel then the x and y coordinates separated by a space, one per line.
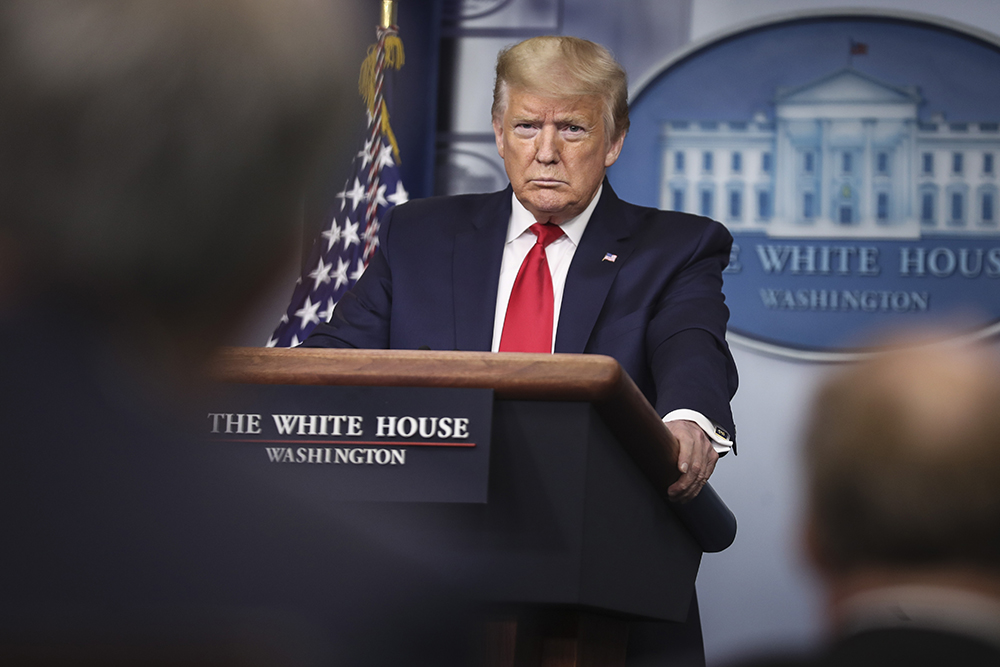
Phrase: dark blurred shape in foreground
pixel 153 156
pixel 902 461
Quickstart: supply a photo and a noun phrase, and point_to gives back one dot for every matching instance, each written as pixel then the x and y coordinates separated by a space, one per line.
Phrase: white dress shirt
pixel 559 255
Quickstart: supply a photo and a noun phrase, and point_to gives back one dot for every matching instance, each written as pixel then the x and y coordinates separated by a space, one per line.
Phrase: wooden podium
pixel 578 536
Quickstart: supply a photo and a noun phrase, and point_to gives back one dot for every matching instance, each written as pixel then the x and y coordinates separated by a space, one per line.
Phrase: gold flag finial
pixel 386 54
pixel 388 13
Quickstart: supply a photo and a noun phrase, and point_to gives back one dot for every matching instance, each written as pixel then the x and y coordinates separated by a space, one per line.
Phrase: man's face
pixel 555 152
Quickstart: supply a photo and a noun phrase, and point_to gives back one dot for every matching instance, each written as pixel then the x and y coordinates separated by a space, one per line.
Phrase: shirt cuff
pixel 721 440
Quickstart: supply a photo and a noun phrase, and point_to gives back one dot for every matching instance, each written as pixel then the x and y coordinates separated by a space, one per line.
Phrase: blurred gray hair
pixel 903 462
pixel 155 151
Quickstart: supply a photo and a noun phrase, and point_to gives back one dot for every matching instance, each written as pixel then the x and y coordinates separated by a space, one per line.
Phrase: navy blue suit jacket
pixel 658 308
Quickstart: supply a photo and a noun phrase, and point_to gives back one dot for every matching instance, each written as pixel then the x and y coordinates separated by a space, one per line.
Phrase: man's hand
pixel 696 459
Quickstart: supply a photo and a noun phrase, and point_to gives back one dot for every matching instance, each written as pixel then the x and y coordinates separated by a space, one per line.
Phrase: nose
pixel 547 147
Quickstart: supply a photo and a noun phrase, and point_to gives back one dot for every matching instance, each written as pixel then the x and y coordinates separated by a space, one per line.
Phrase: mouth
pixel 547 182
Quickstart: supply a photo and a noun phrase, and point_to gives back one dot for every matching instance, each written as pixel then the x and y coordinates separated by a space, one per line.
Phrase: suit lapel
pixel 590 276
pixel 476 267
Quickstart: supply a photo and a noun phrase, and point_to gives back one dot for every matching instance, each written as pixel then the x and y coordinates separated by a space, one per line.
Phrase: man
pixel 638 284
pixel 902 462
pixel 153 157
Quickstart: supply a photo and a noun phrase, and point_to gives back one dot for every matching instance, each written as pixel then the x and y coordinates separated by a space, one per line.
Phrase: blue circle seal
pixel 855 158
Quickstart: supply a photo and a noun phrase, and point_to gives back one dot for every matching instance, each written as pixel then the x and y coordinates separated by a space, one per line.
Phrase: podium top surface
pixel 514 376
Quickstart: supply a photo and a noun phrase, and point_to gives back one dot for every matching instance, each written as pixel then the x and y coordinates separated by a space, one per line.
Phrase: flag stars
pixel 321 275
pixel 400 196
pixel 342 196
pixel 350 234
pixel 358 271
pixel 332 235
pixel 340 275
pixel 307 313
pixel 356 194
pixel 366 154
pixel 373 188
pixel 327 315
pixel 380 196
pixel 385 156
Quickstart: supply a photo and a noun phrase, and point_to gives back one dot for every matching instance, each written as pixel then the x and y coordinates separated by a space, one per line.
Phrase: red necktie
pixel 527 327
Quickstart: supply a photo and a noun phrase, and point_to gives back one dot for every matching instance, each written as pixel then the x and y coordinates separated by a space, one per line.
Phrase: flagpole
pixel 387 52
pixel 341 254
pixel 388 13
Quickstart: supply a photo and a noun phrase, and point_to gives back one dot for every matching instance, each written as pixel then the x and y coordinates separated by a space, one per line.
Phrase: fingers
pixel 696 460
pixel 692 480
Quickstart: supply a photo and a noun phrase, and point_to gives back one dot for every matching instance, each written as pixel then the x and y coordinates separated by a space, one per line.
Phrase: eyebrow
pixel 568 119
pixel 520 118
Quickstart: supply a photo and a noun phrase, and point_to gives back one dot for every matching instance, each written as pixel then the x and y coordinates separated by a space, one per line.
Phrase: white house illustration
pixel 847 156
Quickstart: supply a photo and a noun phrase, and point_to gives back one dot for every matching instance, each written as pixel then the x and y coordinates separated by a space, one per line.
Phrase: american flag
pixel 341 253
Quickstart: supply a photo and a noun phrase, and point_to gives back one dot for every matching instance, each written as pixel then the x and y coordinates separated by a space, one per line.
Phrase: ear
pixel 498 134
pixel 614 151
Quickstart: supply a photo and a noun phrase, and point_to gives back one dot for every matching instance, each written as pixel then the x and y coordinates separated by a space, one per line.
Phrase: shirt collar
pixel 521 219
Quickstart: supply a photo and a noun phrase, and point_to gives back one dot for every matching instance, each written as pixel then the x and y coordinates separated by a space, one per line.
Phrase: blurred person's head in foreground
pixel 153 156
pixel 902 459
pixel 153 159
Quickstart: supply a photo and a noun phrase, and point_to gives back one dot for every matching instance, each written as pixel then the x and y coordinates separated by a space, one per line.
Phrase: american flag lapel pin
pixel 609 257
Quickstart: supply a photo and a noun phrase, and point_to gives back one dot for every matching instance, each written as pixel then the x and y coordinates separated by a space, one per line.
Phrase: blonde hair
pixel 560 66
